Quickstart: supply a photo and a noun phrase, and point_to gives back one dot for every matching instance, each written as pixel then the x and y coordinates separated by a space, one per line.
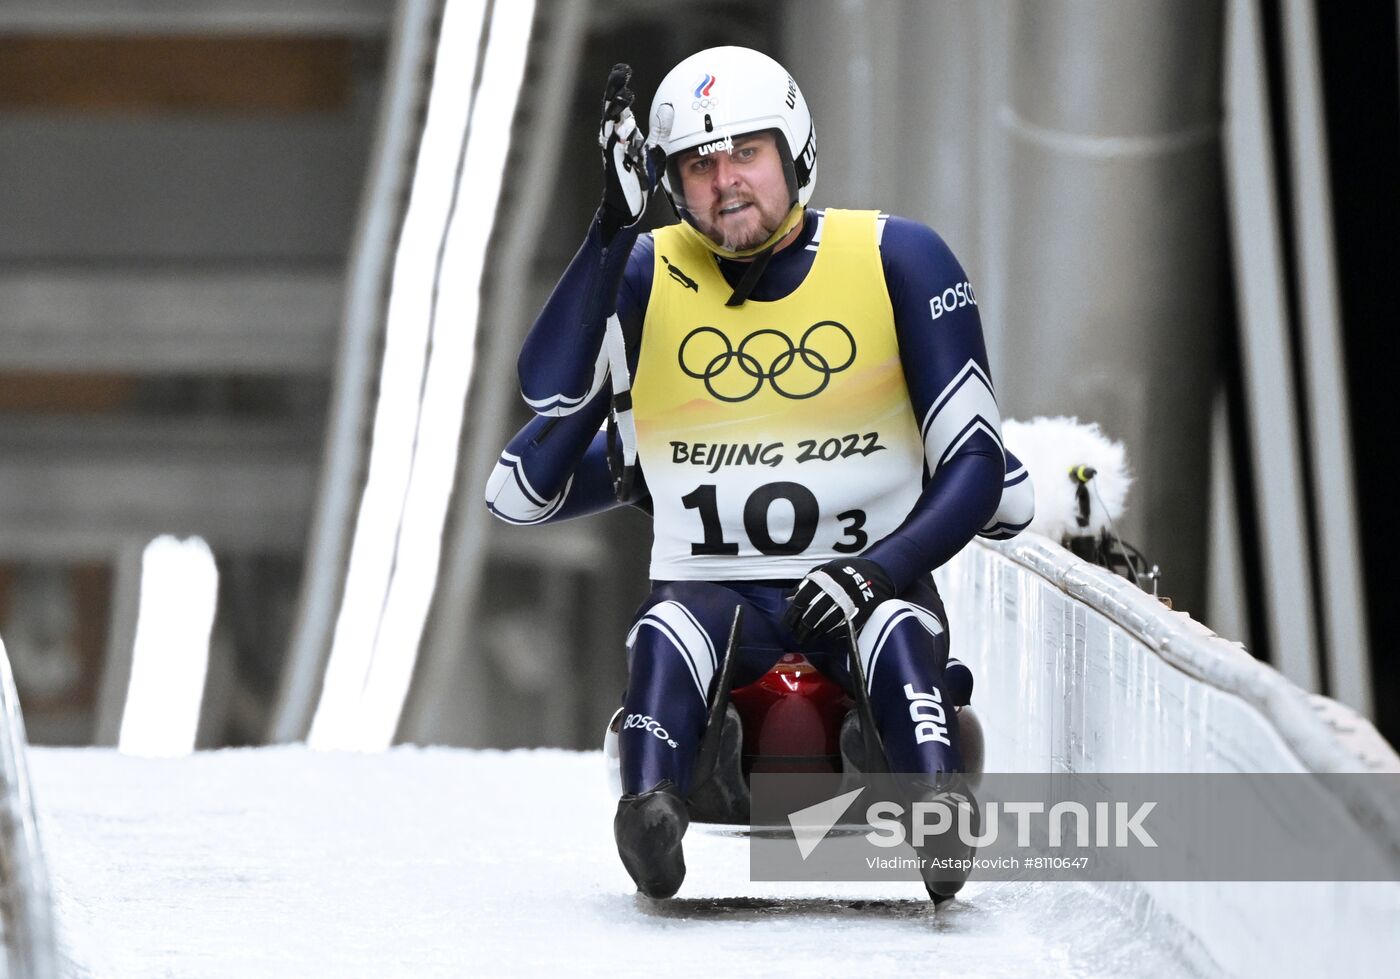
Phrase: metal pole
pixel 1115 244
pixel 352 404
pixel 456 619
pixel 1268 369
pixel 1324 369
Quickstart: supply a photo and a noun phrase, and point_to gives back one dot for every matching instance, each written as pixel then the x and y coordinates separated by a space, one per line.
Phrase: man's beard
pixel 739 239
pixel 746 240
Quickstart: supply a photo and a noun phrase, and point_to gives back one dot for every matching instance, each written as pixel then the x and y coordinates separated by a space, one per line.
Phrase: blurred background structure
pixel 245 245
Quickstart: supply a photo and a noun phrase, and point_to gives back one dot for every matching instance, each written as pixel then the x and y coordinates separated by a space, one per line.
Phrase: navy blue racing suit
pixel 557 468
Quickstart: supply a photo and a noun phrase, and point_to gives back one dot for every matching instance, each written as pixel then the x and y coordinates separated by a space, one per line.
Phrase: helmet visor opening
pixel 696 169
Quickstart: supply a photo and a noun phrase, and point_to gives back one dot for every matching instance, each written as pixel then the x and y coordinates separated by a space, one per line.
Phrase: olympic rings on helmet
pixel 813 369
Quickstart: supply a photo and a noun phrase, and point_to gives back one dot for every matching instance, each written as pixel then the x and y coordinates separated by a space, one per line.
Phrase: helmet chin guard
pixel 719 94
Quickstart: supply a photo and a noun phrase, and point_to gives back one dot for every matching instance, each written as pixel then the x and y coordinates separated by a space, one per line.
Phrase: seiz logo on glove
pixel 834 593
pixel 630 161
pixel 860 582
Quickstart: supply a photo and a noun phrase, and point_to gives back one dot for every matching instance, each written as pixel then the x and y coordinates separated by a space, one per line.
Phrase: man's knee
pixel 667 636
pixel 893 617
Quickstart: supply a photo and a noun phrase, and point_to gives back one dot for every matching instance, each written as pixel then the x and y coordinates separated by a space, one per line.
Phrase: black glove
pixel 847 589
pixel 629 165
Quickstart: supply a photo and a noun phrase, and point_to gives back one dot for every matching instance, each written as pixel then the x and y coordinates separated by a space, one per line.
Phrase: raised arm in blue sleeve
pixel 555 469
pixel 950 386
pixel 562 363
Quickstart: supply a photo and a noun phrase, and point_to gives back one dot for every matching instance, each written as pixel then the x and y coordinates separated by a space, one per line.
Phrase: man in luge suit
pixel 810 421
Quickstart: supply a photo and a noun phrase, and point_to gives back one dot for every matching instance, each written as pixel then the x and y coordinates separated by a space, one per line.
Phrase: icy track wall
pixel 1079 671
pixel 26 910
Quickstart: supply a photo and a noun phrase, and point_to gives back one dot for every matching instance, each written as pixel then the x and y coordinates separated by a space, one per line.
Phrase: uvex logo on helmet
pixel 726 144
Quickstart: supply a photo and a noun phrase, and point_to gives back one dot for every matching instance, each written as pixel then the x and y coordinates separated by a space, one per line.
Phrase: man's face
pixel 737 199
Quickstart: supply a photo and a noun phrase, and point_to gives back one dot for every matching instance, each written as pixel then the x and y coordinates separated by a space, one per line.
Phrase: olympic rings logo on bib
pixel 797 371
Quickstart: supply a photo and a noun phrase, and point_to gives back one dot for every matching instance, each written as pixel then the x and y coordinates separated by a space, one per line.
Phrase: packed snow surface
pixel 435 862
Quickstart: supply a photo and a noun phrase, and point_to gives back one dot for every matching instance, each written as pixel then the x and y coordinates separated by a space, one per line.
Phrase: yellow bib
pixel 774 436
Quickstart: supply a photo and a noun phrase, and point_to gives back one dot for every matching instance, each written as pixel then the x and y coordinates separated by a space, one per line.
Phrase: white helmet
pixel 723 93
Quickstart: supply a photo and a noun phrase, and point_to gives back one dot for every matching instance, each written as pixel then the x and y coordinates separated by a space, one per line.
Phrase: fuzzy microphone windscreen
pixel 1050 447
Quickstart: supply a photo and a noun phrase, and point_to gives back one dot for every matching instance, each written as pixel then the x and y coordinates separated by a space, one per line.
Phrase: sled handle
pixel 714 722
pixel 874 750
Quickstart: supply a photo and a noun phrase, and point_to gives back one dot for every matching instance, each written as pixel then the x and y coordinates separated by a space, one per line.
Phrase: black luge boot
pixel 947 859
pixel 648 828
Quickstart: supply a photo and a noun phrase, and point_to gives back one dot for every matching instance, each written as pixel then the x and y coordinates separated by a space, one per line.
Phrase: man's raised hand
pixel 628 177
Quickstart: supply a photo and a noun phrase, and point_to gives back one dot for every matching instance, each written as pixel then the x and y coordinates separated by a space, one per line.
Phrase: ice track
pixel 286 862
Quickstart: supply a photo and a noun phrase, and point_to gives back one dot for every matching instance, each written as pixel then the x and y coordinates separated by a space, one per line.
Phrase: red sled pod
pixel 793 719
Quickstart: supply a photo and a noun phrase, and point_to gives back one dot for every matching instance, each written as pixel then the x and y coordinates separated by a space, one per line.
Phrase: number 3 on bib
pixel 805 516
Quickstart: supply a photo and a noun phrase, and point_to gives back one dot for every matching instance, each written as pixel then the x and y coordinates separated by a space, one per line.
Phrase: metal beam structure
pixel 1114 252
pixel 121 644
pixel 1343 589
pixel 180 183
pixel 345 454
pixel 457 616
pixel 197 190
pixel 170 320
pixel 1227 594
pixel 82 489
pixel 348 17
pixel 1068 152
pixel 1068 149
pixel 1268 364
